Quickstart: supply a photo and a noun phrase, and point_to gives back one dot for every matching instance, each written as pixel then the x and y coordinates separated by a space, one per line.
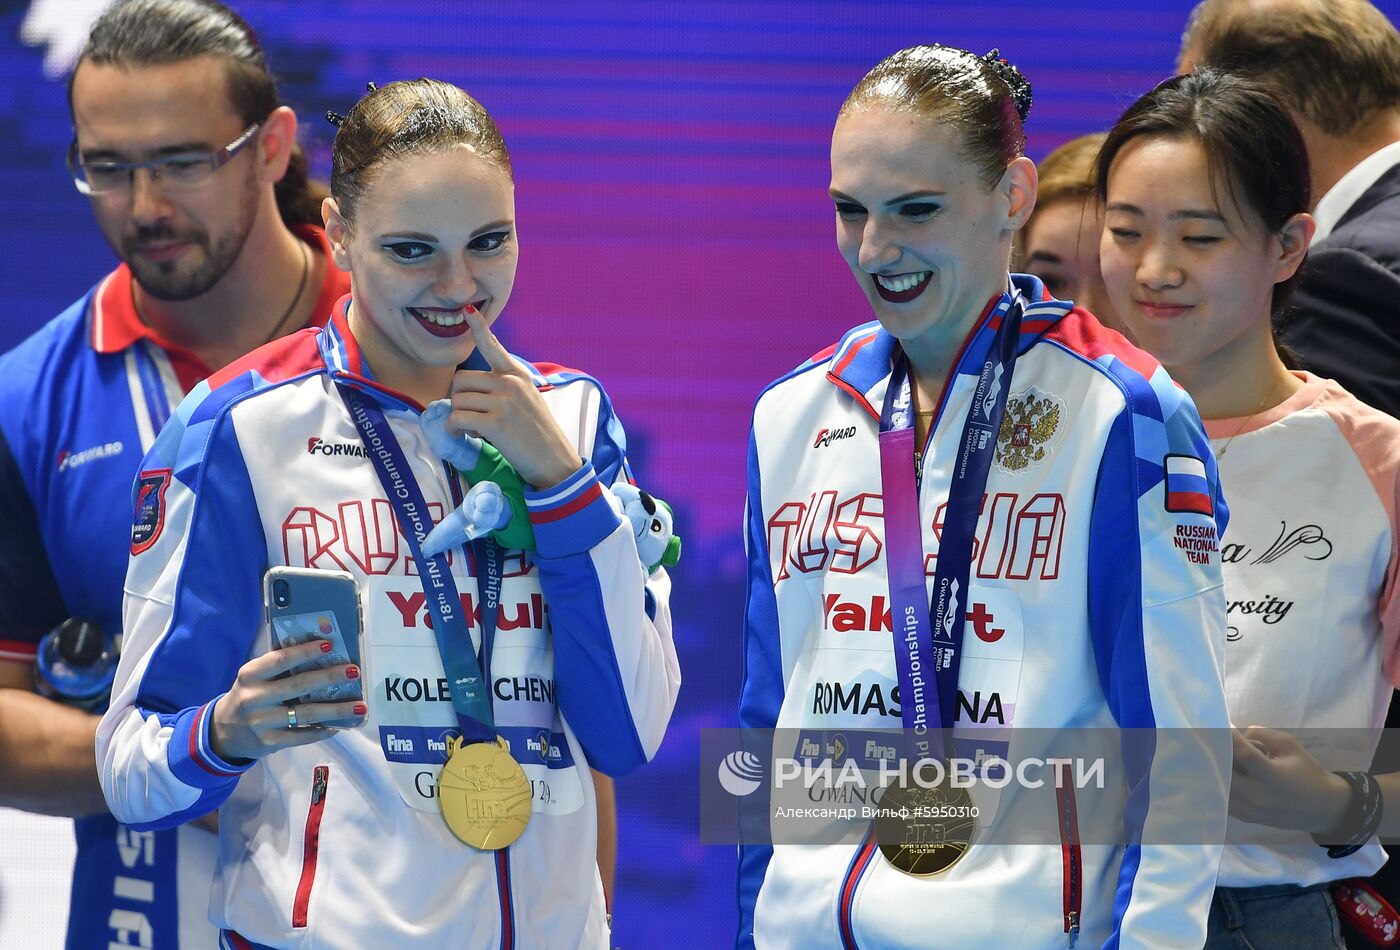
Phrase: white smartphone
pixel 304 604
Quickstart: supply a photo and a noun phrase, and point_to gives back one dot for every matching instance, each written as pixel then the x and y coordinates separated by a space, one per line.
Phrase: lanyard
pixel 928 643
pixel 467 678
pixel 152 387
pixel 486 555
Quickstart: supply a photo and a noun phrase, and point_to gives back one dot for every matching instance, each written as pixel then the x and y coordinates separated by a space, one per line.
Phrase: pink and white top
pixel 1310 563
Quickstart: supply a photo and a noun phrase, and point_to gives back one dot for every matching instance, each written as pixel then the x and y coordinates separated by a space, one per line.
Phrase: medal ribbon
pixel 486 555
pixel 466 677
pixel 928 643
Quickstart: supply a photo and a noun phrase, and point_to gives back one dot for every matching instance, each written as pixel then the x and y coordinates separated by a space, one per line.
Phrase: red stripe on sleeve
pixel 18 650
pixel 594 492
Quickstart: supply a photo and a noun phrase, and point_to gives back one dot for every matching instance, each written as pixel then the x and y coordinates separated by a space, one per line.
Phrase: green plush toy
pixel 495 502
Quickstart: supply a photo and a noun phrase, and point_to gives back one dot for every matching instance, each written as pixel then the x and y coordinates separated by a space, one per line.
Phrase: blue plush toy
pixel 495 502
pixel 651 518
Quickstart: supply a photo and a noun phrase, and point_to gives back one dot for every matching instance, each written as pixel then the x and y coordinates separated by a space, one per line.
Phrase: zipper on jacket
pixel 504 893
pixel 846 896
pixel 310 844
pixel 1070 852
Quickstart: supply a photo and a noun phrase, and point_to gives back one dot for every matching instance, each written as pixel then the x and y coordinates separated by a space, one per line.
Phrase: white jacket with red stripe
pixel 340 843
pixel 1096 603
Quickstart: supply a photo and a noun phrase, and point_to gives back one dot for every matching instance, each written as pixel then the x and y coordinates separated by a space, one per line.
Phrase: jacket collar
pixel 862 361
pixel 1386 186
pixel 114 327
pixel 114 324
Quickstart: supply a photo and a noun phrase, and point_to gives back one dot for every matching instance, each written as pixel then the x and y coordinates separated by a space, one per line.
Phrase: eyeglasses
pixel 188 170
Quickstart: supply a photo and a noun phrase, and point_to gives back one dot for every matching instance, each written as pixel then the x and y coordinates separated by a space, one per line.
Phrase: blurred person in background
pixel 192 168
pixel 1060 242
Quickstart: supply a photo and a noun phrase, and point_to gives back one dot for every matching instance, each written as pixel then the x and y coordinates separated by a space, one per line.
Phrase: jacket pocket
pixel 310 844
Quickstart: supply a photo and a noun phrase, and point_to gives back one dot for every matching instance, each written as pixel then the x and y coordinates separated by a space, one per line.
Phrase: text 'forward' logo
pixel 827 436
pixel 317 446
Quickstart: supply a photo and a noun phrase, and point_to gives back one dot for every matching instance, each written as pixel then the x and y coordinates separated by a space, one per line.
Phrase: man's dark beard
pixel 166 280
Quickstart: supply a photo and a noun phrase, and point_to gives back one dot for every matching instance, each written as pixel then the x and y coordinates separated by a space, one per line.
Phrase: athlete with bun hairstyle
pixel 453 803
pixel 998 540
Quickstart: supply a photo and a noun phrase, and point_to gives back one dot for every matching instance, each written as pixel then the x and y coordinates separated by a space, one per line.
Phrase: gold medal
pixel 483 793
pixel 925 831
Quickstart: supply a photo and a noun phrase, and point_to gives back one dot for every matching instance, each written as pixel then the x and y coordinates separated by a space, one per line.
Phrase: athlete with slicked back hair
pixel 454 804
pixel 1019 537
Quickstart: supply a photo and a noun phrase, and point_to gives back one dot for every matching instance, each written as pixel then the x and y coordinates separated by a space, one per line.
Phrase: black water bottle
pixel 75 665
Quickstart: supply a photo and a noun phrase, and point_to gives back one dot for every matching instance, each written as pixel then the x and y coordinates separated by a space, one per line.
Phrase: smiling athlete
pixel 491 677
pixel 1018 534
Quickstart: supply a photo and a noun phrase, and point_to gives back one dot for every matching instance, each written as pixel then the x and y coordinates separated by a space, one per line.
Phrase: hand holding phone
pixel 307 687
pixel 265 708
pixel 304 605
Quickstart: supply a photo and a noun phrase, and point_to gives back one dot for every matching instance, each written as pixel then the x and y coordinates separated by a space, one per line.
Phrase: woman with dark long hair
pixel 1206 186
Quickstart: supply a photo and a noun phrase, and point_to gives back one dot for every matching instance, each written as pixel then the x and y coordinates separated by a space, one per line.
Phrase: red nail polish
pixel 361 709
pixel 352 672
pixel 327 646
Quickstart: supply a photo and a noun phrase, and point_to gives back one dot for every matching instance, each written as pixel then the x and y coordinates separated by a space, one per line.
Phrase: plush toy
pixel 495 503
pixel 651 518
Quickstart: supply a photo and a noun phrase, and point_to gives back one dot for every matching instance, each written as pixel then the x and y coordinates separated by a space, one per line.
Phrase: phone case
pixel 1369 912
pixel 316 605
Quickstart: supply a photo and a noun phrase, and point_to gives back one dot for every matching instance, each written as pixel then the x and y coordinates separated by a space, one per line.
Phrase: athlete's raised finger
pixel 487 344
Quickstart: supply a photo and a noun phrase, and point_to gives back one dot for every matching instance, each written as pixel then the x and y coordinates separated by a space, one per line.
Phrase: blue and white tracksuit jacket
pixel 1096 601
pixel 81 402
pixel 340 843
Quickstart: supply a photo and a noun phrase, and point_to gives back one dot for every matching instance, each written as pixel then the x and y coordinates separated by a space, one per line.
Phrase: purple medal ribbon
pixel 928 642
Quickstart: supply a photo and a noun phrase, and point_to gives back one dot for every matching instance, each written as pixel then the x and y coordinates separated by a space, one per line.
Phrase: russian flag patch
pixel 1186 485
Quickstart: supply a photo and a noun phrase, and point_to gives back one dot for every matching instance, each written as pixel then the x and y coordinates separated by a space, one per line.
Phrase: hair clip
pixel 1019 86
pixel 335 118
pixel 371 87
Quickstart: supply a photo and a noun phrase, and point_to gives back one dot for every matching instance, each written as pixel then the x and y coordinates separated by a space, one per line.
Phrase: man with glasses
pixel 100 176
pixel 191 167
